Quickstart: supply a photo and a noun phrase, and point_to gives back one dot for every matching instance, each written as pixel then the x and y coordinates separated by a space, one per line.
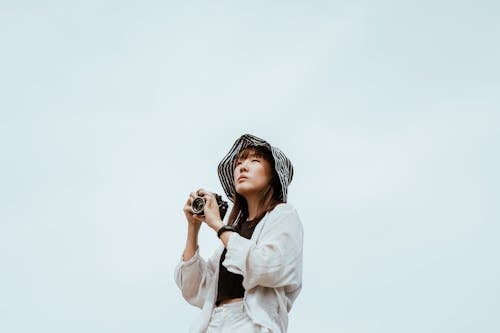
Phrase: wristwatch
pixel 224 229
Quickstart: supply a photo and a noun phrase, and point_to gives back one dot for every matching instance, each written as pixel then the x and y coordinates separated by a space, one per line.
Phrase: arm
pixel 193 275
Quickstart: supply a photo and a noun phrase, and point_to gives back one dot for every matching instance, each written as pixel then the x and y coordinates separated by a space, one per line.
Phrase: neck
pixel 253 206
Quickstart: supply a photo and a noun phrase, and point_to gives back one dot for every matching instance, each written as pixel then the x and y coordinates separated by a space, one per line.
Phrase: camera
pixel 198 205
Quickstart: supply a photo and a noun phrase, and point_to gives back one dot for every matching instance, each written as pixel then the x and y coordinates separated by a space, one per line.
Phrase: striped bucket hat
pixel 282 164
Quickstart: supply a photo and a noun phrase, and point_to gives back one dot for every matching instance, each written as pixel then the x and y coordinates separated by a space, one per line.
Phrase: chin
pixel 243 190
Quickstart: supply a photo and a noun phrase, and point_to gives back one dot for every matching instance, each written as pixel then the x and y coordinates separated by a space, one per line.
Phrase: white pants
pixel 231 318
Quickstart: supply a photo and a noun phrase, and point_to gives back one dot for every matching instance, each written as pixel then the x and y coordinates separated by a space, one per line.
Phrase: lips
pixel 241 178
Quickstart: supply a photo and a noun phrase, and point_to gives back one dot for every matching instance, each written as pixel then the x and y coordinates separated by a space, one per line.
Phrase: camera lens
pixel 198 205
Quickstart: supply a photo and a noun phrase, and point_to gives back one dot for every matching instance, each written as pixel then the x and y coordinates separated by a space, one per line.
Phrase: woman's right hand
pixel 193 219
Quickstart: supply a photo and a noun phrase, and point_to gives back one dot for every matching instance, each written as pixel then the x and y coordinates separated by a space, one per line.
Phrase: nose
pixel 243 166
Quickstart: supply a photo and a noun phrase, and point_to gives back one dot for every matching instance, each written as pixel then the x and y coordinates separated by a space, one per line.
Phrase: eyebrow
pixel 249 155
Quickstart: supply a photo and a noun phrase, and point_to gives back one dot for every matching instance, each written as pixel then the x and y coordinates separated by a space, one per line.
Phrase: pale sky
pixel 113 111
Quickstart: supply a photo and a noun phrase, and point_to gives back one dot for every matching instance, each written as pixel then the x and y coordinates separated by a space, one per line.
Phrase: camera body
pixel 198 205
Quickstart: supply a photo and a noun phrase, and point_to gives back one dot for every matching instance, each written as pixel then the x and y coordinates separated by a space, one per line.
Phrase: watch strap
pixel 224 229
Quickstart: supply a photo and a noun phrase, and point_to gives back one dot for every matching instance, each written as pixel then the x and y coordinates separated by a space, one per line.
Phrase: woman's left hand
pixel 211 210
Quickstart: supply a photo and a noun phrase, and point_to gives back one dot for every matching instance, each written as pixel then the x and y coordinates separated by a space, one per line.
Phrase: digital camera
pixel 198 205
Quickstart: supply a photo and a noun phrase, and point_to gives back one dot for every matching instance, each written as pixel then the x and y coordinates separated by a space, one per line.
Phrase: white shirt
pixel 270 263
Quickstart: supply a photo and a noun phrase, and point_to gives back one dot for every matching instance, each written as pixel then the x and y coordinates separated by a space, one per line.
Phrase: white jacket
pixel 271 265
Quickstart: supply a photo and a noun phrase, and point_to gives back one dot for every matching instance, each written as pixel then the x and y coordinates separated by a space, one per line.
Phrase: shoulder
pixel 284 209
pixel 284 221
pixel 286 212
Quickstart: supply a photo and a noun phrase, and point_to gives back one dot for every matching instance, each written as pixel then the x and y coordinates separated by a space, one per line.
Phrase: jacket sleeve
pixel 194 277
pixel 275 259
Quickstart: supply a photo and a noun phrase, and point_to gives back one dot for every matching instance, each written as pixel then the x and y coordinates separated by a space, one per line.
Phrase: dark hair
pixel 270 199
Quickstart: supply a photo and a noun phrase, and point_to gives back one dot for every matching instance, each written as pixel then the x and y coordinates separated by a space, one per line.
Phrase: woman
pixel 251 281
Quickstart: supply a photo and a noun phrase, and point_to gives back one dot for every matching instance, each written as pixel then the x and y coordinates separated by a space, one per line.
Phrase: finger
pixel 198 218
pixel 187 209
pixel 190 199
pixel 209 199
pixel 201 192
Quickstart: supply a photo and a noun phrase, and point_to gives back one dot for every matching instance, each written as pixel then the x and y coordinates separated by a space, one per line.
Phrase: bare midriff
pixel 231 300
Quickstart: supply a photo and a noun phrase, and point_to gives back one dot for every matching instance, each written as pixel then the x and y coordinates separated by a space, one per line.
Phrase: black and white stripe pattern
pixel 282 164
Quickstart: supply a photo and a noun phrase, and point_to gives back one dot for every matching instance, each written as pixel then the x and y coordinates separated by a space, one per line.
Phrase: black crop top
pixel 230 285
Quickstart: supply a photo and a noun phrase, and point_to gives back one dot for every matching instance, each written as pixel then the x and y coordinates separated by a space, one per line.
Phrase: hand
pixel 193 219
pixel 211 210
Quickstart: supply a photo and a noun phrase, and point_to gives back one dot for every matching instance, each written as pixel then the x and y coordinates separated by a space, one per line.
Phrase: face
pixel 252 175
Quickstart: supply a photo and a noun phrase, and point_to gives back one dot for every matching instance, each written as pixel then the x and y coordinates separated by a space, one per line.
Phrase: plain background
pixel 113 111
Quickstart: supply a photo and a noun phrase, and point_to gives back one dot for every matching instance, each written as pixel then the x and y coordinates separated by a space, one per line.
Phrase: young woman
pixel 251 281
